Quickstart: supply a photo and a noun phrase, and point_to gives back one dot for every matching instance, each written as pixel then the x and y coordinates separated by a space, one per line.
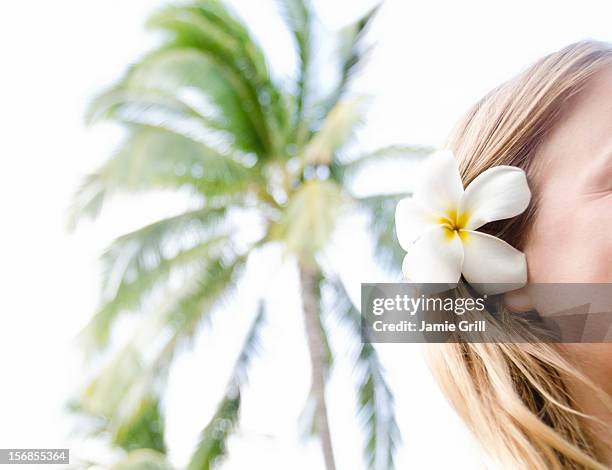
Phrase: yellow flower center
pixel 454 223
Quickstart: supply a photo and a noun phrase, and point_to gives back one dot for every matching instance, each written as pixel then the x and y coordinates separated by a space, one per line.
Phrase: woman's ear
pixel 518 301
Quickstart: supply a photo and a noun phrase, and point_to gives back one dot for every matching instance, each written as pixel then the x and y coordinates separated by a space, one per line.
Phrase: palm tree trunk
pixel 316 346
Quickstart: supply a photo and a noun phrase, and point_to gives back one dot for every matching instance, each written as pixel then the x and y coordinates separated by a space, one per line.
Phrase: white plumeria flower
pixel 437 225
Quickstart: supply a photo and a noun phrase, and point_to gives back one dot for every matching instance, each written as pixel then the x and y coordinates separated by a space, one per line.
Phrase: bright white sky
pixel 432 61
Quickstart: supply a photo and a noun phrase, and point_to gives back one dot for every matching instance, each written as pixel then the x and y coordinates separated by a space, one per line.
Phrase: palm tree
pixel 204 116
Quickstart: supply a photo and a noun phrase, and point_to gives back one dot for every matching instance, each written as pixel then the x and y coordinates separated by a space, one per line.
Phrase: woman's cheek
pixel 591 241
pixel 572 243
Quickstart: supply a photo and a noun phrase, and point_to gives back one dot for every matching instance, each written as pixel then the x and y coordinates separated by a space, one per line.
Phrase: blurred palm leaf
pixel 209 28
pixel 138 263
pixel 298 18
pixel 374 397
pixel 153 159
pixel 144 429
pixel 351 54
pixel 213 441
pixel 214 281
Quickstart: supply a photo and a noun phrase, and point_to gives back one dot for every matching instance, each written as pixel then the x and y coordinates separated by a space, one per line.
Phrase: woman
pixel 543 406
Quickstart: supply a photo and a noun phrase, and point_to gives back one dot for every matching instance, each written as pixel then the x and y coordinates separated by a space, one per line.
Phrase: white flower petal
pixel 489 260
pixel 436 256
pixel 438 187
pixel 411 221
pixel 498 193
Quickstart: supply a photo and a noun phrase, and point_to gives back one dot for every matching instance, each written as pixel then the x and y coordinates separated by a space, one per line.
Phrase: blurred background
pixel 248 155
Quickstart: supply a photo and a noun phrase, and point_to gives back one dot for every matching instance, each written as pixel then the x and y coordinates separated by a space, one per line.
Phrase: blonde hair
pixel 514 396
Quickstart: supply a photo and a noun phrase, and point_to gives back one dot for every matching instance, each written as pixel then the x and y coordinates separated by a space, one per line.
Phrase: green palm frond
pixel 212 446
pixel 124 400
pixel 351 54
pixel 175 238
pixel 132 292
pixel 139 263
pixel 211 29
pixel 153 159
pixel 186 310
pixel 380 210
pixel 121 392
pixel 144 428
pixel 184 90
pixel 377 412
pixel 140 104
pixel 213 441
pixel 298 17
pixel 375 399
pixel 213 22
